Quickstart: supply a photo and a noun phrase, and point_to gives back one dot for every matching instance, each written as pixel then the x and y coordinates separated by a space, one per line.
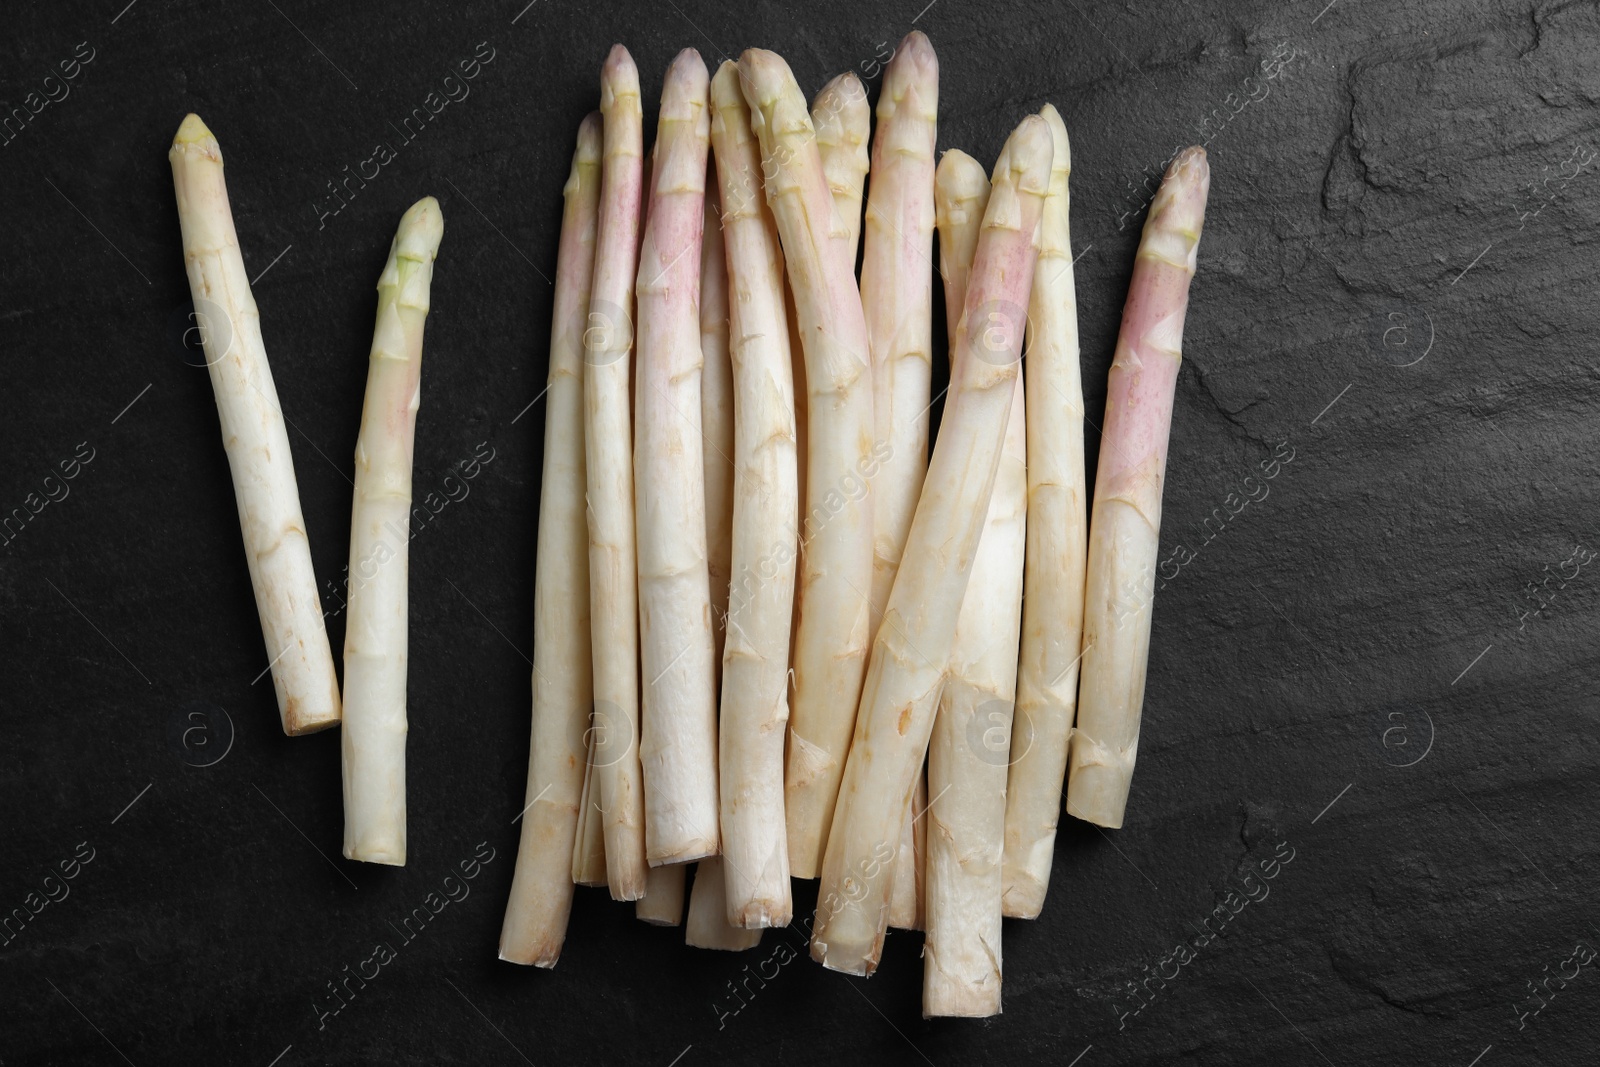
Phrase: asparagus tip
pixel 1031 149
pixel 618 75
pixel 1181 200
pixel 589 137
pixel 421 228
pixel 683 93
pixel 1058 131
pixel 194 135
pixel 915 56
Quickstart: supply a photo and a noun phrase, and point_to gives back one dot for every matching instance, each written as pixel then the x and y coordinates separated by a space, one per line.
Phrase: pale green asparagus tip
pixel 194 136
pixel 421 228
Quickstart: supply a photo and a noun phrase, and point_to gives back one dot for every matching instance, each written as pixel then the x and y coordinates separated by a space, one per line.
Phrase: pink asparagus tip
pixel 589 131
pixel 684 91
pixel 914 58
pixel 618 71
pixel 1182 196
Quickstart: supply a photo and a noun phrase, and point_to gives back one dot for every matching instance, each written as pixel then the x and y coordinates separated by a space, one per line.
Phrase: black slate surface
pixel 1376 682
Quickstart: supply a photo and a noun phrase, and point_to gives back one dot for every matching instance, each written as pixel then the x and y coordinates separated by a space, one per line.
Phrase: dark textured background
pixel 1349 670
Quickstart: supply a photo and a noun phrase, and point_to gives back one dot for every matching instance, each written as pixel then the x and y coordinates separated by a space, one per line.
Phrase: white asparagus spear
pixel 1058 547
pixel 842 119
pixel 589 846
pixel 255 438
pixel 755 678
pixel 678 740
pixel 831 648
pixel 662 903
pixel 897 296
pixel 912 647
pixel 373 745
pixel 716 413
pixel 1125 526
pixel 535 923
pixel 608 437
pixel 708 925
pixel 967 754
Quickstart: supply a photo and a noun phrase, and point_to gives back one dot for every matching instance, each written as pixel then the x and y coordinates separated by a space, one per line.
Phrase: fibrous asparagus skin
pixel 608 436
pixel 755 679
pixel 589 847
pixel 716 412
pixel 842 120
pixel 912 647
pixel 662 903
pixel 708 926
pixel 1057 550
pixel 967 753
pixel 373 745
pixel 831 648
pixel 678 736
pixel 906 893
pixel 1125 525
pixel 256 439
pixel 563 683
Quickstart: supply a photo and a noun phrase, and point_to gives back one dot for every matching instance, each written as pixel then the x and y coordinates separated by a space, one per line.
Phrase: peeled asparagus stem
pixel 608 436
pixel 907 893
pixel 257 442
pixel 716 413
pixel 708 925
pixel 831 648
pixel 662 903
pixel 373 745
pixel 755 677
pixel 912 647
pixel 1058 546
pixel 843 120
pixel 678 740
pixel 535 924
pixel 589 847
pixel 1125 528
pixel 967 754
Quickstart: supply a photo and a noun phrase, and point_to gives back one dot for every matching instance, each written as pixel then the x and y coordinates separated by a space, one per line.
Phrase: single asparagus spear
pixel 1125 526
pixel 831 648
pixel 253 433
pixel 563 682
pixel 716 413
pixel 897 296
pixel 708 925
pixel 755 678
pixel 1058 546
pixel 912 647
pixel 373 745
pixel 678 744
pixel 842 119
pixel 662 903
pixel 608 437
pixel 967 754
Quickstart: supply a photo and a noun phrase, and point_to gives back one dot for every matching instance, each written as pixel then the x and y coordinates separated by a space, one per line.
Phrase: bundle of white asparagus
pixel 739 501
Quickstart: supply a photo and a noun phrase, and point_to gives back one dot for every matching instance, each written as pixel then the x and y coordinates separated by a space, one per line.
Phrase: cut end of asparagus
pixel 297 722
pixel 195 136
pixel 1098 782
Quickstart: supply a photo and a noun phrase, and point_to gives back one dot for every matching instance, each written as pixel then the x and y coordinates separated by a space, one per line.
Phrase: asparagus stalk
pixel 589 845
pixel 912 648
pixel 662 903
pixel 897 296
pixel 1125 527
pixel 678 743
pixel 967 754
pixel 842 120
pixel 708 925
pixel 1058 545
pixel 755 678
pixel 831 648
pixel 253 433
pixel 373 745
pixel 716 413
pixel 608 436
pixel 535 923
